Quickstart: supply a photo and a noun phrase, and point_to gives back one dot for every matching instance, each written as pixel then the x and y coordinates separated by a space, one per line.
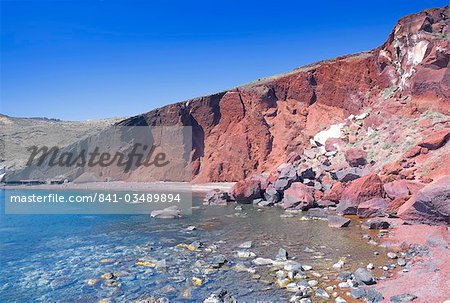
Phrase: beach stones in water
pixel 364 276
pixel 338 221
pixel 220 296
pixel 218 261
pixel 262 261
pixel 376 224
pixel 171 212
pixel 245 254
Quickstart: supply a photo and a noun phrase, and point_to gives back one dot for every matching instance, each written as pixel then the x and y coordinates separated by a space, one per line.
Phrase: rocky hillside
pixel 23 132
pixel 257 126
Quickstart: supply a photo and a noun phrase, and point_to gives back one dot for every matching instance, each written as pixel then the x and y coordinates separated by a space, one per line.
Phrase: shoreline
pixel 131 186
pixel 427 276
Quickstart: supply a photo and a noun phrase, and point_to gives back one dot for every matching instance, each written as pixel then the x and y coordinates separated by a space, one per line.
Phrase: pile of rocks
pixel 332 175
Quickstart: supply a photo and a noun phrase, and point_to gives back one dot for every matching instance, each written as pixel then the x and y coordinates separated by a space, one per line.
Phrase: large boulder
pixel 349 173
pixel 436 140
pixel 372 208
pixel 430 205
pixel 216 197
pixel 401 188
pixel 298 196
pixel 338 221
pixel 245 191
pixel 335 192
pixel 271 195
pixel 355 157
pixel 360 190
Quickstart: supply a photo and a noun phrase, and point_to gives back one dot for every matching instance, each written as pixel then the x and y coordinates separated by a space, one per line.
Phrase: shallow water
pixel 50 258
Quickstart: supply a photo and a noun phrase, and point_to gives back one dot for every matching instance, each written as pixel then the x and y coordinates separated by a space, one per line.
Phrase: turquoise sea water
pixel 50 258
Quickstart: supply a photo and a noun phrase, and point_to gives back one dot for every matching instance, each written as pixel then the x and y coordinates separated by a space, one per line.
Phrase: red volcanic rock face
pixel 430 205
pixel 298 196
pixel 355 157
pixel 253 128
pixel 360 190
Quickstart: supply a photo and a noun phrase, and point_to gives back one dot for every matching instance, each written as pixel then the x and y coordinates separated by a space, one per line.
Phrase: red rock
pixel 401 188
pixel 252 128
pixel 408 173
pixel 298 196
pixel 318 195
pixel 355 157
pixel 394 205
pixel 247 190
pixel 372 208
pixel 334 144
pixel 413 152
pixel 392 168
pixel 335 192
pixel 360 190
pixel 436 140
pixel 352 139
pixel 430 205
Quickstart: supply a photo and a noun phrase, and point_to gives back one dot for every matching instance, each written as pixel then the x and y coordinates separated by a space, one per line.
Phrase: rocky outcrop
pixel 253 128
pixel 430 205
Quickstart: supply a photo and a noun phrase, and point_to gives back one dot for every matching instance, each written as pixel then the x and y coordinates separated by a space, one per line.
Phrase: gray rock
pixel 403 298
pixel 401 262
pixel 358 293
pixel 322 293
pixel 364 276
pixel 376 223
pixel 392 255
pixel 370 295
pixel 272 195
pixel 349 174
pixel 246 244
pixel 344 276
pixel 216 197
pixel 218 261
pixel 308 173
pixel 325 203
pixel 289 173
pixel 282 254
pixel 373 296
pixel 171 212
pixel 337 221
pixel 281 184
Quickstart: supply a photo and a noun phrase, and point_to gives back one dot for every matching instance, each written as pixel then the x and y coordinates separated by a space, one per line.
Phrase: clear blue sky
pixel 78 60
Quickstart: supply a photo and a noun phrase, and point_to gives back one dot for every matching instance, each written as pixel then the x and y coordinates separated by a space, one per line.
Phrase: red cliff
pixel 254 127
